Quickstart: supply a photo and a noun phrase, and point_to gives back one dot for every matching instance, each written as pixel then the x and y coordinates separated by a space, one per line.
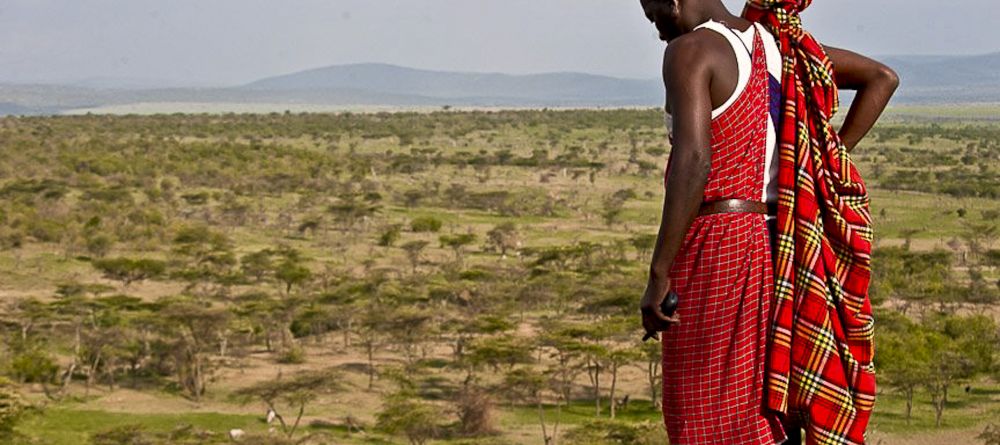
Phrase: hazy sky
pixel 227 42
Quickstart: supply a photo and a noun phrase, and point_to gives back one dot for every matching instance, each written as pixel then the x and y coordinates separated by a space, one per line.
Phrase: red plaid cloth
pixel 820 357
pixel 714 361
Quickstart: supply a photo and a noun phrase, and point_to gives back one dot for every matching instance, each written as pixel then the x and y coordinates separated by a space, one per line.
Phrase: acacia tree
pixel 947 367
pixel 189 331
pixel 294 392
pixel 413 251
pixel 960 348
pixel 410 327
pixel 464 328
pixel 109 342
pixel 206 258
pixel 285 312
pixel 76 310
pixel 566 352
pixel 498 351
pixel 129 270
pixel 372 333
pixel 643 244
pixel 904 358
pixel 614 205
pixel 457 243
pixel 343 311
pixel 619 353
pixel 503 237
pixel 528 385
pixel 349 210
pixel 291 272
pixel 257 265
pixel 135 348
pixel 652 360
pixel 603 342
pixel 257 310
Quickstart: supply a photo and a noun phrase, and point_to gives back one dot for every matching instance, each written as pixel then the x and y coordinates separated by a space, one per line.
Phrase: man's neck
pixel 718 12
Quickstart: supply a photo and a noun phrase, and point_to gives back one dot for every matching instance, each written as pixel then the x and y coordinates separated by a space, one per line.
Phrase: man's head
pixel 665 15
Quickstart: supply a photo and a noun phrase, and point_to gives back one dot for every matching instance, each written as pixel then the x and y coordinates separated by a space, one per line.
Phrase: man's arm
pixel 687 78
pixel 875 84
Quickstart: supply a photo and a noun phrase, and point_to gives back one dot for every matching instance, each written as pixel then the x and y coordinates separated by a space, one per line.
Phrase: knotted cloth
pixel 820 356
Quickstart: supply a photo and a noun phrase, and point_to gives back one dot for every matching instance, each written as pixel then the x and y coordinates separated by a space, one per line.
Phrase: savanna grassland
pixel 455 277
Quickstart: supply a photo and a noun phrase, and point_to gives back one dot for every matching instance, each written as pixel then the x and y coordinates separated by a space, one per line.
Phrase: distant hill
pixel 481 88
pixel 924 80
pixel 947 79
pixel 936 71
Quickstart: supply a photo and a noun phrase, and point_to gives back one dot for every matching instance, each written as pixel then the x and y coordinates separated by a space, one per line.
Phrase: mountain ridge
pixel 543 88
pixel 924 80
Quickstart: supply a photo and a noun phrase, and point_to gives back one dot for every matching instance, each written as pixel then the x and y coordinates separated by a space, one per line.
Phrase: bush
pixel 122 435
pixel 99 245
pixel 602 432
pixel 34 366
pixel 410 417
pixel 475 413
pixel 425 224
pixel 389 237
pixel 12 407
pixel 483 441
pixel 292 356
pixel 991 435
pixel 136 434
pixel 46 231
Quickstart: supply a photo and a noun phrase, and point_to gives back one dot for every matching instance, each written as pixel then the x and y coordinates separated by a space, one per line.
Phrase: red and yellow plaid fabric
pixel 820 356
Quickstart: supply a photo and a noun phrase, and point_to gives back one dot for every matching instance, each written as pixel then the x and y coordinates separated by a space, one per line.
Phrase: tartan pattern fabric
pixel 822 331
pixel 714 361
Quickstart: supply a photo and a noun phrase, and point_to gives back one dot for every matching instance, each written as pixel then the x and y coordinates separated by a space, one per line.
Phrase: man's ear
pixel 670 6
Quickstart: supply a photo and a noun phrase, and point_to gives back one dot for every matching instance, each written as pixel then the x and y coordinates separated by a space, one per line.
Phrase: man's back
pixel 727 50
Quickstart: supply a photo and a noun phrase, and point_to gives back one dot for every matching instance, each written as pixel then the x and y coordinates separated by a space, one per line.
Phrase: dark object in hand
pixel 669 304
pixel 668 307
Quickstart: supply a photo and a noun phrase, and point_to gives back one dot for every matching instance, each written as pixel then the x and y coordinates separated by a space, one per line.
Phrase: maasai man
pixel 727 84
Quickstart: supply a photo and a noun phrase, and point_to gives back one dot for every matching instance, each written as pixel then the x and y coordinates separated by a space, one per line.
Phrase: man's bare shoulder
pixel 693 53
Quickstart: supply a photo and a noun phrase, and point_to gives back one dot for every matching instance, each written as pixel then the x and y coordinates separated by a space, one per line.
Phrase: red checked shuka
pixel 714 361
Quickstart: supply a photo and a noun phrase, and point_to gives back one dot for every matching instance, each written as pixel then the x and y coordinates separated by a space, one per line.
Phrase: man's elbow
pixel 887 77
pixel 701 167
pixel 692 169
pixel 705 168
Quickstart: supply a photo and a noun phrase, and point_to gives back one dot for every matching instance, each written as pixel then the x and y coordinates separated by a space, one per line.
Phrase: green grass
pixel 579 412
pixel 935 216
pixel 985 111
pixel 69 426
pixel 963 410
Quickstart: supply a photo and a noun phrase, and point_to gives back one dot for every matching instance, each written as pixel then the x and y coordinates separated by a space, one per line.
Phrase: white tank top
pixel 741 45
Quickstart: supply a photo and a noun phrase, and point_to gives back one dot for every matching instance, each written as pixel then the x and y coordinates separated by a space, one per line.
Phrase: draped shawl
pixel 822 339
